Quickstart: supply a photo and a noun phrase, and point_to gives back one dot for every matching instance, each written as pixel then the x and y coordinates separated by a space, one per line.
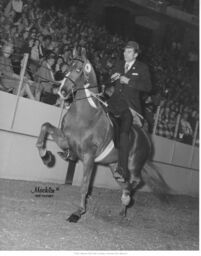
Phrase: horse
pixel 87 131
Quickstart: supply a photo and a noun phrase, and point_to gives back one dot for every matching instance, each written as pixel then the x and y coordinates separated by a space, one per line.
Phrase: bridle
pixel 67 76
pixel 74 89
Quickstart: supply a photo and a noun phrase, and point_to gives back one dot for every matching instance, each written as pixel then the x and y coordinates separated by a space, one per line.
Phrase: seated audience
pixel 185 129
pixel 44 31
pixel 45 81
pixel 9 79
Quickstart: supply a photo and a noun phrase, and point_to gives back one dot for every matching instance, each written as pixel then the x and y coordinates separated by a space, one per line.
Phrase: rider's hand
pixel 124 80
pixel 115 76
pixel 109 91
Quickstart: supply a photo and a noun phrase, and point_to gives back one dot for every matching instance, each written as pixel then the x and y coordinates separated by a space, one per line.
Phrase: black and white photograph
pixel 99 127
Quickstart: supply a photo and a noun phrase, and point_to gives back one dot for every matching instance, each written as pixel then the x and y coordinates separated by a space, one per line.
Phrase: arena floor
pixel 28 222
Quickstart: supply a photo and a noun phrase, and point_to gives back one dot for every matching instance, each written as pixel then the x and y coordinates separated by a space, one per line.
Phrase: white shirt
pixel 129 65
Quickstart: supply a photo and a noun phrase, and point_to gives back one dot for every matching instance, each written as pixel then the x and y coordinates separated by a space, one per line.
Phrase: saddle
pixel 138 120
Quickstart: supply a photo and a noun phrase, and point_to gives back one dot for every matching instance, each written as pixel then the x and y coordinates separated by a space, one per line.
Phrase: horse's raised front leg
pixel 88 165
pixel 58 137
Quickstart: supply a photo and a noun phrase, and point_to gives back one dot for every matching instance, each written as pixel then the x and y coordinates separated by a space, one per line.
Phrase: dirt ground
pixel 28 222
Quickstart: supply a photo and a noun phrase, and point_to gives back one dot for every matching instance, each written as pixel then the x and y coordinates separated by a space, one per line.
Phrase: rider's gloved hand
pixel 115 76
pixel 124 80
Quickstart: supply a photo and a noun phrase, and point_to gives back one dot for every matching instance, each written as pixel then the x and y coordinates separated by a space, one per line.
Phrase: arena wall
pixel 20 124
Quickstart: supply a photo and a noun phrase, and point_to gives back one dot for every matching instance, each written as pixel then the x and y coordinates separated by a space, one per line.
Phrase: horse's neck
pixel 85 106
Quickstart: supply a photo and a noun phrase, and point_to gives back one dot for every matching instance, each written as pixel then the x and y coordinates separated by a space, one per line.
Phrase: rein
pixel 90 94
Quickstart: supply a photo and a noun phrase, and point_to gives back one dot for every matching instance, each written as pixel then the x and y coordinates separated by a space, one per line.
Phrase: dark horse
pixel 88 132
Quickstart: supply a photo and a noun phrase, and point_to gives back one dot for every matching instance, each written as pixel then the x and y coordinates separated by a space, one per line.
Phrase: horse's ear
pixel 84 54
pixel 75 53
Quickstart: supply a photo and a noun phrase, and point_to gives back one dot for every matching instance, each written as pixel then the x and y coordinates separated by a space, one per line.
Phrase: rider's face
pixel 129 54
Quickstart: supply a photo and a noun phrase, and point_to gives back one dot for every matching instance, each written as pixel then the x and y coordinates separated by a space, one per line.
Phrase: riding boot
pixel 122 168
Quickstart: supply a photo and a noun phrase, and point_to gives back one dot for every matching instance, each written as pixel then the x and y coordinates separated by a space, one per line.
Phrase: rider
pixel 130 78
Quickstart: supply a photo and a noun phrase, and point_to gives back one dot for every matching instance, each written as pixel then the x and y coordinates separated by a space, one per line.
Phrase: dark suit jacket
pixel 139 82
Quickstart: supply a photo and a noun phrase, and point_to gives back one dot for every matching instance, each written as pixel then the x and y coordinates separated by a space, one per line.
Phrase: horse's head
pixel 81 74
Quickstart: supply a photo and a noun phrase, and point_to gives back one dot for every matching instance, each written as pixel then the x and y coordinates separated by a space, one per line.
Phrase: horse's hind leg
pixel 58 137
pixel 126 191
pixel 135 166
pixel 138 156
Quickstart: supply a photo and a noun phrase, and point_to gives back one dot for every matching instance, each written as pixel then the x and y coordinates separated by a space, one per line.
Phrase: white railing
pixel 20 86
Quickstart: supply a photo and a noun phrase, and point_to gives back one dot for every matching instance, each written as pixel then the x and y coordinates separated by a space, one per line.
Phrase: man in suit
pixel 131 77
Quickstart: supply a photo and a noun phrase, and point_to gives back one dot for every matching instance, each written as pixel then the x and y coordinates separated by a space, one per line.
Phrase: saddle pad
pixel 105 152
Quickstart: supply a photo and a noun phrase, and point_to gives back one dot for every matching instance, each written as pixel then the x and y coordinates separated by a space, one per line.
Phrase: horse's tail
pixel 154 180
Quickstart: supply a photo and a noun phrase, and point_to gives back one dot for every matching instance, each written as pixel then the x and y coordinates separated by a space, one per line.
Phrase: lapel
pixel 131 70
pixel 133 67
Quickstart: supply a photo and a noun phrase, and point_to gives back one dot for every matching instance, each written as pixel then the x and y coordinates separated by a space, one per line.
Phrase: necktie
pixel 126 67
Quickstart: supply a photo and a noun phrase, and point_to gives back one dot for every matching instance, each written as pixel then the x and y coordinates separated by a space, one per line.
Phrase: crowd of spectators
pixel 50 35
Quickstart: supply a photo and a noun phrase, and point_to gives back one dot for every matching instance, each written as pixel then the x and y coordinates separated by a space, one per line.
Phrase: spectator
pixel 58 62
pixel 36 51
pixel 185 129
pixel 9 79
pixel 14 8
pixel 45 80
pixel 46 44
pixel 174 76
pixel 63 69
pixel 193 118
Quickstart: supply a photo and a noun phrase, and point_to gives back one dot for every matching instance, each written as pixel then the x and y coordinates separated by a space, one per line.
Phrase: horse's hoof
pixel 73 218
pixel 125 199
pixel 48 159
